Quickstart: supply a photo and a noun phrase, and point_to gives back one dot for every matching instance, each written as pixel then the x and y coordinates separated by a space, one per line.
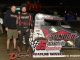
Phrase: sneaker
pixel 14 49
pixel 8 50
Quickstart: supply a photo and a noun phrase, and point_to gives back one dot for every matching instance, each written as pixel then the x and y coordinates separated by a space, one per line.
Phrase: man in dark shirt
pixel 10 19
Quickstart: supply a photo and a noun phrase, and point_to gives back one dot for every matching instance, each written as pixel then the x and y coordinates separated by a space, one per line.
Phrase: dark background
pixel 48 2
pixel 48 6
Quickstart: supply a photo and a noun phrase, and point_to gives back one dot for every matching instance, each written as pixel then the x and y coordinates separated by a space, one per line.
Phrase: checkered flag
pixel 35 42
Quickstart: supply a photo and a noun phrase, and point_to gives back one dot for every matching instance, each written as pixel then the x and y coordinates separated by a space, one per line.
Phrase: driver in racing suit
pixel 24 22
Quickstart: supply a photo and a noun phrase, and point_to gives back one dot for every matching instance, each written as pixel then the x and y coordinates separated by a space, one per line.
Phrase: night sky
pixel 48 5
pixel 45 2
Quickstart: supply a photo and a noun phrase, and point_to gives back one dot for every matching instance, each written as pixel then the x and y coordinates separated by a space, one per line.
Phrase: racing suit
pixel 24 22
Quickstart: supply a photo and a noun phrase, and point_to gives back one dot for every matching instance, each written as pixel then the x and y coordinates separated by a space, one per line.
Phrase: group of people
pixel 17 27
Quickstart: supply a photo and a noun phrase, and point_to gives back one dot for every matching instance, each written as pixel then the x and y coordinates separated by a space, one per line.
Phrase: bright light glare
pixel 40 16
pixel 54 30
pixel 71 43
pixel 1 21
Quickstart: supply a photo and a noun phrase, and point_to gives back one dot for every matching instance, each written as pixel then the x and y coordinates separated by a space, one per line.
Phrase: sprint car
pixel 54 28
pixel 51 35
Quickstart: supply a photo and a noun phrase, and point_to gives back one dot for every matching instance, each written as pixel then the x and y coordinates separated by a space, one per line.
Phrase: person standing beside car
pixel 10 19
pixel 24 22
